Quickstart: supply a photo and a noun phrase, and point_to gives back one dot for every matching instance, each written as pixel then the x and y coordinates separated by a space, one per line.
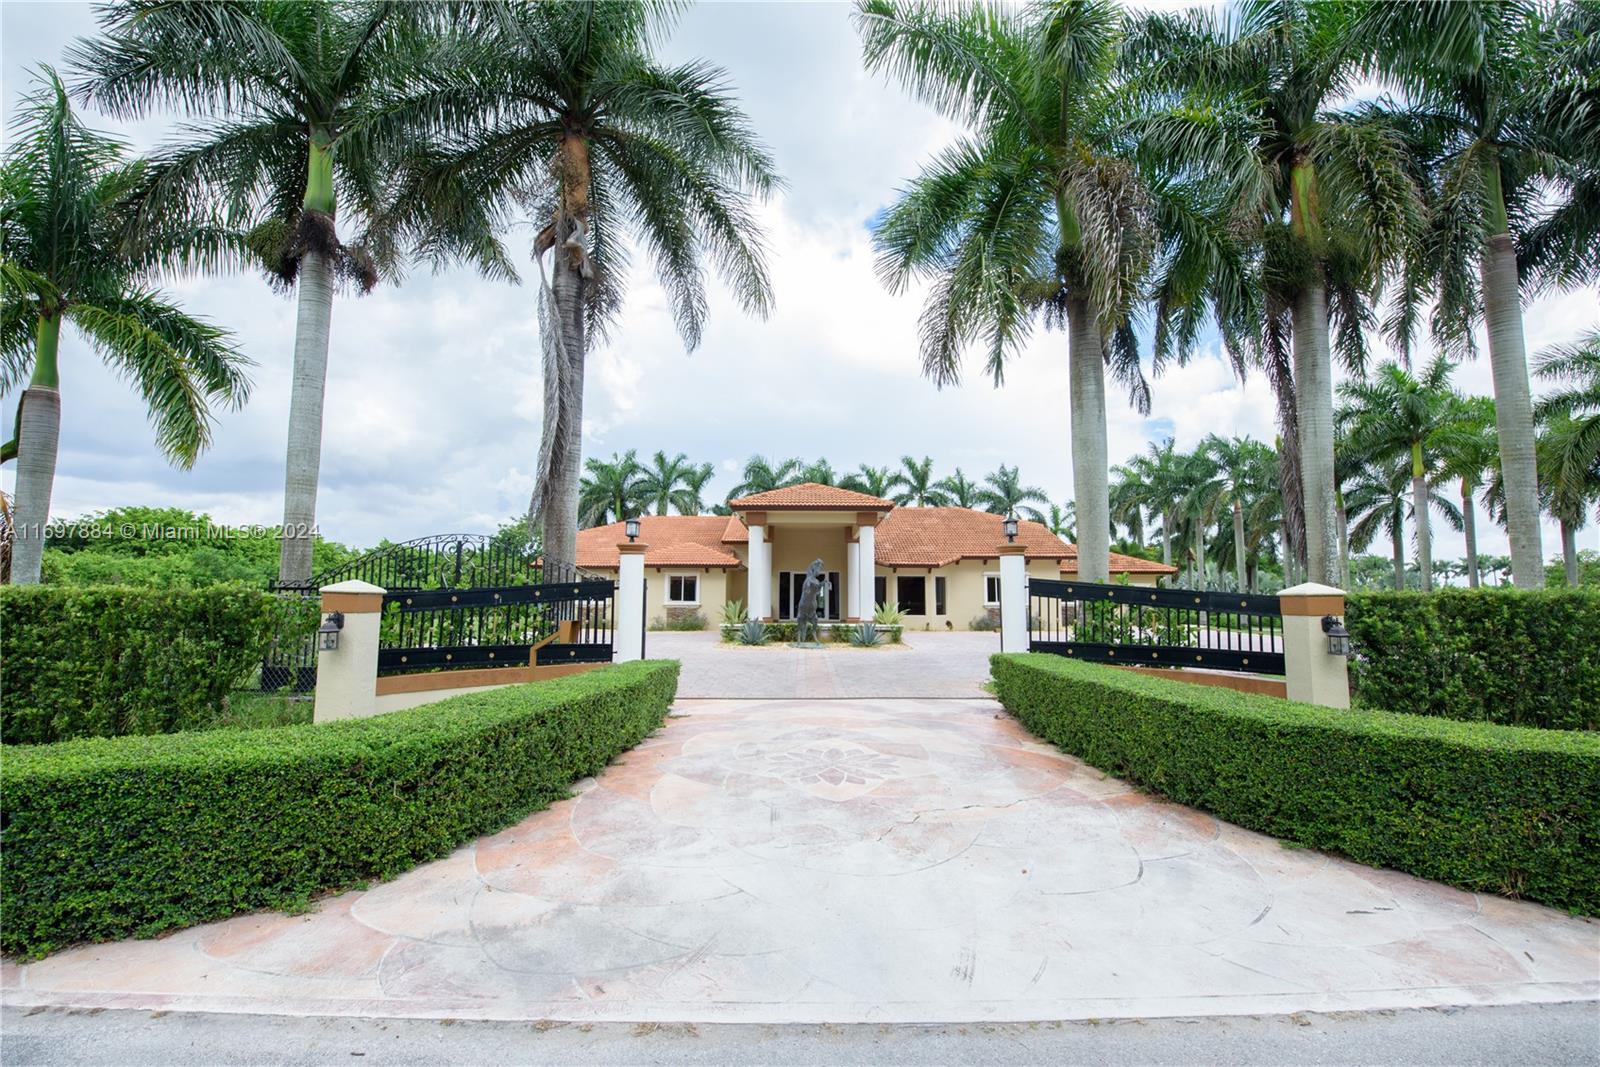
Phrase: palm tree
pixel 1397 414
pixel 664 479
pixel 1513 174
pixel 1245 470
pixel 1201 490
pixel 1569 474
pixel 691 498
pixel 568 116
pixel 1004 494
pixel 1037 210
pixel 921 489
pixel 1061 520
pixel 1379 499
pixel 1129 493
pixel 959 492
pixel 1576 369
pixel 819 471
pixel 1471 450
pixel 1159 468
pixel 73 249
pixel 761 476
pixel 1241 103
pixel 307 106
pixel 613 491
pixel 874 481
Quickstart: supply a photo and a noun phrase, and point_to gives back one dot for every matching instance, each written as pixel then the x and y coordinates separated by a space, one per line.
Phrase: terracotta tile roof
pixel 933 537
pixel 674 540
pixel 736 533
pixel 1121 564
pixel 811 495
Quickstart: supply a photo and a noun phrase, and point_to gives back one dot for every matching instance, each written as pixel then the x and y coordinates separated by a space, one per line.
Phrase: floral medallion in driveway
pixel 854 860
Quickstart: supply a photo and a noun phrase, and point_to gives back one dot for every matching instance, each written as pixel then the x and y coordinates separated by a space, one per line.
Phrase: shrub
pixel 989 620
pixel 1499 655
pixel 680 619
pixel 112 837
pixel 101 661
pixel 753 632
pixel 733 613
pixel 1489 808
pixel 865 635
pixel 888 615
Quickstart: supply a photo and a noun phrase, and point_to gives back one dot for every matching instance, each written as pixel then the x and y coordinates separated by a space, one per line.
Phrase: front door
pixel 790 585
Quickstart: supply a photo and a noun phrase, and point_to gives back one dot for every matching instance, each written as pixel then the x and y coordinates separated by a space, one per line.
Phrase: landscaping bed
pixel 128 836
pixel 1489 808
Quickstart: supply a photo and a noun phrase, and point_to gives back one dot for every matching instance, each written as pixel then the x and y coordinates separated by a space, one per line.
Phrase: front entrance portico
pixel 791 527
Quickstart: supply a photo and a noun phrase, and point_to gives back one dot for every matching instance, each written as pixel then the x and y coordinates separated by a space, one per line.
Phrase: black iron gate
pixel 1156 627
pixel 451 563
pixel 435 629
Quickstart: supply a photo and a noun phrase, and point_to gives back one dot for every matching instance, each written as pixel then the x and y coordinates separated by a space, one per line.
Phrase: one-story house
pixel 940 565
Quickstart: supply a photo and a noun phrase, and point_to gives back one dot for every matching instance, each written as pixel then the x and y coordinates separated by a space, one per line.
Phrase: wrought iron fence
pixel 1156 627
pixel 447 628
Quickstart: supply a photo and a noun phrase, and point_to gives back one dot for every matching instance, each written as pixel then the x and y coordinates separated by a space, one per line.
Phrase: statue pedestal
pixel 805 644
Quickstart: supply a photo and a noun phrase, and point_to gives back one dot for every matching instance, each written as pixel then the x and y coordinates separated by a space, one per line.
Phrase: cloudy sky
pixel 433 406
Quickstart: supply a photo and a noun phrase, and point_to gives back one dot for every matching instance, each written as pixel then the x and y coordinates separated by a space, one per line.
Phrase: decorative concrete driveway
pixel 921 861
pixel 924 664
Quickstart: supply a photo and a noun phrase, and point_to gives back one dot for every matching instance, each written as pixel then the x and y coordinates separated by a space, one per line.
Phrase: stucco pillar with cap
pixel 347 676
pixel 1313 674
pixel 852 580
pixel 1013 598
pixel 628 628
pixel 759 564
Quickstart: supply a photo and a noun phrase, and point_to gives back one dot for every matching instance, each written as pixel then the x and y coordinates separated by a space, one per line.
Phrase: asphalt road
pixel 1521 1035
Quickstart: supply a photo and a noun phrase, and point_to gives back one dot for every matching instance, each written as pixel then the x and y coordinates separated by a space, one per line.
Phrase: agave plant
pixel 733 613
pixel 754 632
pixel 888 615
pixel 865 635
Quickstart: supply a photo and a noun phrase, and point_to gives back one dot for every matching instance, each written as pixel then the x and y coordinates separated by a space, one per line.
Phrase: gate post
pixel 1314 675
pixel 1013 598
pixel 627 629
pixel 347 676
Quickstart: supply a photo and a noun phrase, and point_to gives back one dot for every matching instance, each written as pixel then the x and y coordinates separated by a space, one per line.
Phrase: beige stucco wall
pixel 713 592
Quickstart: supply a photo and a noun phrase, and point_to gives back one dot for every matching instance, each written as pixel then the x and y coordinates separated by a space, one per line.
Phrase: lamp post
pixel 1010 527
pixel 631 527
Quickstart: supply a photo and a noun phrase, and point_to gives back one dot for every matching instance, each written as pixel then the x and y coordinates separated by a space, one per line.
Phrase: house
pixel 940 565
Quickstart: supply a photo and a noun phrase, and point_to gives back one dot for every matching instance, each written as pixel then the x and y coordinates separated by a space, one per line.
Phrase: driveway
pixel 853 861
pixel 927 665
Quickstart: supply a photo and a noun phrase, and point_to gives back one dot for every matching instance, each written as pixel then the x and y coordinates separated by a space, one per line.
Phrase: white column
pixel 867 553
pixel 628 628
pixel 1313 674
pixel 1013 598
pixel 760 567
pixel 852 580
pixel 347 676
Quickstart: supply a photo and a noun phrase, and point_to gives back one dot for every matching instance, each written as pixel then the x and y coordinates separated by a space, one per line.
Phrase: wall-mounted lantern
pixel 632 528
pixel 1338 636
pixel 328 632
pixel 1010 527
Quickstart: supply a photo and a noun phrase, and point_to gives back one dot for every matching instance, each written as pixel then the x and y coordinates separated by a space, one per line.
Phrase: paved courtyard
pixel 924 664
pixel 853 861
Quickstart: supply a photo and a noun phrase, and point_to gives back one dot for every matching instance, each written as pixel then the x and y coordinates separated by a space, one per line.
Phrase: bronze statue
pixel 811 594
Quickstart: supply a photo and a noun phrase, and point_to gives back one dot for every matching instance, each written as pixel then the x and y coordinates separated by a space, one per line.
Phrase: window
pixel 991 590
pixel 790 585
pixel 913 594
pixel 880 592
pixel 938 596
pixel 683 589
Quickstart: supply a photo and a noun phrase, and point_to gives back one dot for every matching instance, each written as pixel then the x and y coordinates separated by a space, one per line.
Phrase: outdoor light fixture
pixel 1010 527
pixel 328 632
pixel 1338 636
pixel 632 526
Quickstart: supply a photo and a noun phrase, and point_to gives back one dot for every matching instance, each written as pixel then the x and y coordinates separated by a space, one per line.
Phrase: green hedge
pixel 128 836
pixel 108 660
pixel 1497 655
pixel 1498 809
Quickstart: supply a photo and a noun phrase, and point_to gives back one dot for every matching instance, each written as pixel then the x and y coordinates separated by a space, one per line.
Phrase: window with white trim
pixel 683 589
pixel 991 590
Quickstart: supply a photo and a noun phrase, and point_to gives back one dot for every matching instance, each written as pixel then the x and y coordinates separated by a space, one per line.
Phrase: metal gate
pixel 437 629
pixel 1139 625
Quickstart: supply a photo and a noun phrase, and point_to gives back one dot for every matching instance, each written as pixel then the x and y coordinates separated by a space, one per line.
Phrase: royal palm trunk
pixel 1419 513
pixel 1200 551
pixel 1569 552
pixel 1314 410
pixel 1469 529
pixel 565 421
pixel 303 456
pixel 1090 473
pixel 1398 546
pixel 1238 546
pixel 1342 517
pixel 38 442
pixel 1513 406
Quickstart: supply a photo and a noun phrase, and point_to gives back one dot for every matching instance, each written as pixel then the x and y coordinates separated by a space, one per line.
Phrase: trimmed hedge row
pixel 108 660
pixel 1498 655
pixel 1497 809
pixel 115 837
